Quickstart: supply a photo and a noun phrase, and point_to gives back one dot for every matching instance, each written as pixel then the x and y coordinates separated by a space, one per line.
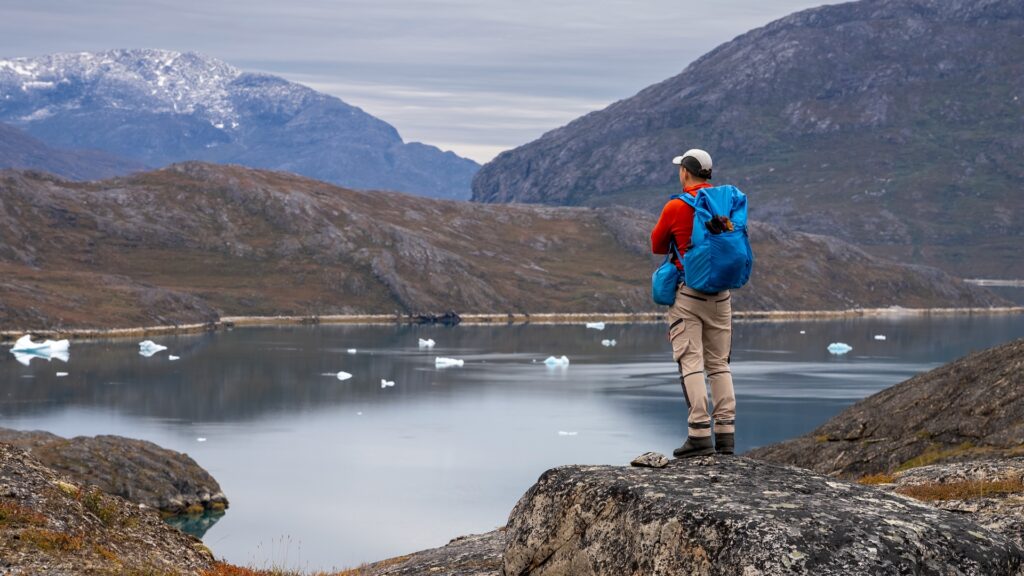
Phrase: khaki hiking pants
pixel 700 328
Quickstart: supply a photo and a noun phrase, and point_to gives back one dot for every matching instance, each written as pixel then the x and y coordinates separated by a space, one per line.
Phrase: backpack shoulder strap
pixel 686 197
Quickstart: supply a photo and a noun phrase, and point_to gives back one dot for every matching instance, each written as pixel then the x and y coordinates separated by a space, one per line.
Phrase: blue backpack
pixel 719 256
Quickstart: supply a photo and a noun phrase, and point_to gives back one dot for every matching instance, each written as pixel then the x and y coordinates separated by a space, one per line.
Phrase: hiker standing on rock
pixel 700 321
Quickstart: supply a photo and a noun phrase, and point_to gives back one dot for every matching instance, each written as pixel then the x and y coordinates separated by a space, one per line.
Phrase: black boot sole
pixel 694 453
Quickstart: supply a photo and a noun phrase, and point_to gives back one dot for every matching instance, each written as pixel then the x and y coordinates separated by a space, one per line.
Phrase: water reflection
pixel 195 524
pixel 445 451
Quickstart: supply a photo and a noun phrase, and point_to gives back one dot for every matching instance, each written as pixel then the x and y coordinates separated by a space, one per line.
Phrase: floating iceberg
pixel 351 350
pixel 172 357
pixel 61 374
pixel 428 343
pixel 386 383
pixel 147 348
pixel 803 331
pixel 200 439
pixel 447 362
pixel 25 350
pixel 343 376
pixel 608 342
pixel 839 348
pixel 25 344
pixel 552 361
pixel 596 325
pixel 564 433
pixel 879 336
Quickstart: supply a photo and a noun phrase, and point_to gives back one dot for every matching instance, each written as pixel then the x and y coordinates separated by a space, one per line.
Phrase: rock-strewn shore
pixel 136 470
pixel 52 525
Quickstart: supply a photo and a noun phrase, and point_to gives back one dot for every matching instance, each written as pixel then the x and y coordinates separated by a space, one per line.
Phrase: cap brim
pixel 678 160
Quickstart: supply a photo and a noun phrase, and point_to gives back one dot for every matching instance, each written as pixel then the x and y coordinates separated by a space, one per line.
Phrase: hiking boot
pixel 695 447
pixel 725 443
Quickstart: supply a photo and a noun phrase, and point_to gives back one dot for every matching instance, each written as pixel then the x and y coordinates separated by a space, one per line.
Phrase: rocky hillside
pixel 51 525
pixel 19 150
pixel 968 409
pixel 895 124
pixel 194 241
pixel 157 107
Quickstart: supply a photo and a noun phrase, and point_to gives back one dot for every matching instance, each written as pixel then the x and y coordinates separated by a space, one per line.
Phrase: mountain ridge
pixel 194 241
pixel 850 120
pixel 159 107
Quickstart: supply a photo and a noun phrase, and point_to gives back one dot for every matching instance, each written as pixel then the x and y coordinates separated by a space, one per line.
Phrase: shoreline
pixel 229 322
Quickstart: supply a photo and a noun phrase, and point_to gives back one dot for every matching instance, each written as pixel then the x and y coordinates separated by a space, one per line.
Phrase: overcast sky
pixel 473 76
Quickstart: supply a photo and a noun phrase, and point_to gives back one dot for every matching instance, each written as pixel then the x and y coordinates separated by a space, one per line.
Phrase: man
pixel 700 325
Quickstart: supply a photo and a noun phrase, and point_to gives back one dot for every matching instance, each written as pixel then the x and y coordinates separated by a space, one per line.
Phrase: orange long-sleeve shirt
pixel 676 221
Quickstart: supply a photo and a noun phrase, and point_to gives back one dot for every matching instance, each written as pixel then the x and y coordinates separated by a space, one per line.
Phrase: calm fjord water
pixel 325 473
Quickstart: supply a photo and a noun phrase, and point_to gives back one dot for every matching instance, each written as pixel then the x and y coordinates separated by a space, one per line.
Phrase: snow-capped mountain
pixel 159 106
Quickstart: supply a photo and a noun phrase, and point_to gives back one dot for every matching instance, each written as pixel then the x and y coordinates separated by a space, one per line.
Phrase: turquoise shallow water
pixel 323 473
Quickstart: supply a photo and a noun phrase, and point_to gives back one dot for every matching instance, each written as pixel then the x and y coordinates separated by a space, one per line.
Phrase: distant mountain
pixel 194 241
pixel 19 150
pixel 894 124
pixel 158 107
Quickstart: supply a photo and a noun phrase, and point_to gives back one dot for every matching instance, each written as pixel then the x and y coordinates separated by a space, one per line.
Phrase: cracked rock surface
pixel 732 516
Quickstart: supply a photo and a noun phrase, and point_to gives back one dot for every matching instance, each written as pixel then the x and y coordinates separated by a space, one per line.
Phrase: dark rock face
pixel 474 555
pixel 49 525
pixel 970 408
pixel 135 470
pixel 157 107
pixel 734 516
pixel 889 123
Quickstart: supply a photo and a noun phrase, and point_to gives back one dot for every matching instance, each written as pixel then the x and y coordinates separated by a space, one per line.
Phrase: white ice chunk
pixel 608 342
pixel 172 357
pixel 428 343
pixel 147 348
pixel 359 413
pixel 200 439
pixel 596 325
pixel 386 383
pixel 344 376
pixel 351 350
pixel 25 344
pixel 61 374
pixel 879 336
pixel 564 433
pixel 447 362
pixel 839 348
pixel 803 331
pixel 552 361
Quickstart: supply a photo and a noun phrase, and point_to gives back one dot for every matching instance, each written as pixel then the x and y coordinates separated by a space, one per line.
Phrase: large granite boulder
pixel 136 470
pixel 735 516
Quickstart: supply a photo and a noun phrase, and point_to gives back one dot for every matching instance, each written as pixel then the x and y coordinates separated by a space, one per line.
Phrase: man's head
pixel 694 166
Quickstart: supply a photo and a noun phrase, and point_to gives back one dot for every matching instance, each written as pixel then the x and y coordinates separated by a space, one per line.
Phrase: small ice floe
pixel 343 376
pixel 564 433
pixel 359 413
pixel 428 343
pixel 839 348
pixel 447 362
pixel 879 336
pixel 172 357
pixel 200 439
pixel 803 331
pixel 351 350
pixel 608 343
pixel 61 374
pixel 596 325
pixel 147 348
pixel 25 344
pixel 386 383
pixel 552 361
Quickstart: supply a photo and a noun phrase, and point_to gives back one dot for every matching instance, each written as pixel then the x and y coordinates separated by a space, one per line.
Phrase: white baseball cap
pixel 696 161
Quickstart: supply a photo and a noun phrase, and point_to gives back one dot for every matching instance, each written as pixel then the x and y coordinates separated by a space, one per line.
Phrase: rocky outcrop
pixel 51 525
pixel 136 470
pixel 968 409
pixel 738 516
pixel 474 555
